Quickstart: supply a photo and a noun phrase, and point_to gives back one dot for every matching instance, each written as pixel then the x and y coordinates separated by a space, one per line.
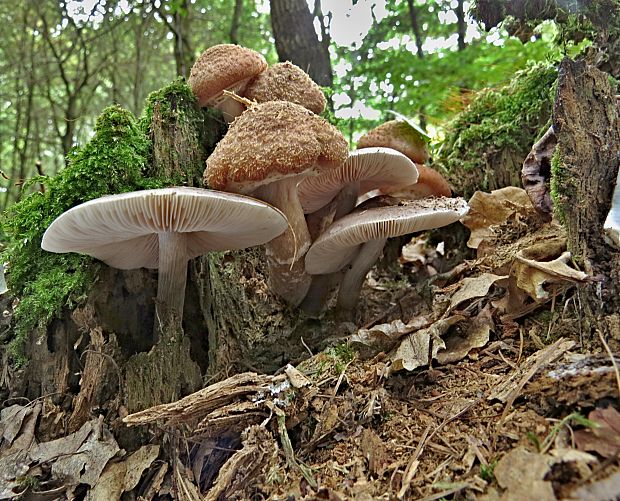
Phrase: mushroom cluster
pixel 323 213
pixel 278 150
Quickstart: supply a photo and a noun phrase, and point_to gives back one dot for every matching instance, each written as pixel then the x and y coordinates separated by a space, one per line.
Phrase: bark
pixel 297 41
pixel 460 24
pixel 417 36
pixel 234 25
pixel 587 126
pixel 603 14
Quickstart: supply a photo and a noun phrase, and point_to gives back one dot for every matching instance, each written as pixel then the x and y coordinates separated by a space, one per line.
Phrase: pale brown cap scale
pixel 271 141
pixel 286 82
pixel 224 67
pixel 399 135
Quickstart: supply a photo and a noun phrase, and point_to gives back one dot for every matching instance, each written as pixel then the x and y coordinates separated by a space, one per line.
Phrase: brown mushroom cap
pixel 372 168
pixel 337 246
pixel 224 66
pixel 272 141
pixel 286 82
pixel 430 184
pixel 399 135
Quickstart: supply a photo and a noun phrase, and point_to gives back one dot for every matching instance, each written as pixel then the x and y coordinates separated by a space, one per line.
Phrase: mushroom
pixel 357 239
pixel 611 227
pixel 399 135
pixel 365 170
pixel 163 229
pixel 286 82
pixel 267 151
pixel 332 195
pixel 224 67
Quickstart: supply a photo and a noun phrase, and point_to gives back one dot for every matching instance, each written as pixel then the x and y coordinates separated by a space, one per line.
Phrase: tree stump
pixel 587 126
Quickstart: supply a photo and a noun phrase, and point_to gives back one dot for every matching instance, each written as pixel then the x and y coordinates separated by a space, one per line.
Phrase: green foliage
pixel 487 471
pixel 112 162
pixel 511 116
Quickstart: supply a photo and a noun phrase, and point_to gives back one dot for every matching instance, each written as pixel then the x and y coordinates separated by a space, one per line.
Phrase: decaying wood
pixel 587 126
pixel 536 173
pixel 196 406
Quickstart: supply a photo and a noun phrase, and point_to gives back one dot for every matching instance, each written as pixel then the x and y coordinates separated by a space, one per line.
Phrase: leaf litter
pixel 463 388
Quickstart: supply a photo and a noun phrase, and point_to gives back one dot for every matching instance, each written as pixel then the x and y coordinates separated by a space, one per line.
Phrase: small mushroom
pixel 224 67
pixel 357 240
pixel 611 227
pixel 365 170
pixel 286 82
pixel 163 229
pixel 399 135
pixel 267 151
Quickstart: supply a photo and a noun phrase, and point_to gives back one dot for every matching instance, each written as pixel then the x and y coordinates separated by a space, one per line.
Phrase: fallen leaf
pixel 521 473
pixel 490 209
pixel 474 287
pixel 603 439
pixel 531 276
pixel 414 350
pixel 475 336
pixel 124 476
pixel 608 488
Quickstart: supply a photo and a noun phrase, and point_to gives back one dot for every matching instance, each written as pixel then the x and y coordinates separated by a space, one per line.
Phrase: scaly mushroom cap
pixel 286 82
pixel 272 141
pixel 400 136
pixel 122 230
pixel 224 66
pixel 335 248
pixel 373 168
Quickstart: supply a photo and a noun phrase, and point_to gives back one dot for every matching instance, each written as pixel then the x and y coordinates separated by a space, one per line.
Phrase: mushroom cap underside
pixel 373 168
pixel 335 248
pixel 122 230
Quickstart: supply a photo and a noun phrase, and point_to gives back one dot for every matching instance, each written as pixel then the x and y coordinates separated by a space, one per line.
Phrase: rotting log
pixel 584 170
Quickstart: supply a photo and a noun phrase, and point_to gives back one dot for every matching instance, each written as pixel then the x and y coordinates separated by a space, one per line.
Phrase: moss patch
pixel 112 162
pixel 500 120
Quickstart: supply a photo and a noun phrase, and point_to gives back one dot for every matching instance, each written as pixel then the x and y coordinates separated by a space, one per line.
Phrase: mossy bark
pixel 587 125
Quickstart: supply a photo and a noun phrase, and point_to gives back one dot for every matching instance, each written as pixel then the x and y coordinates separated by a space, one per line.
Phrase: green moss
pixel 562 186
pixel 112 162
pixel 509 117
pixel 168 100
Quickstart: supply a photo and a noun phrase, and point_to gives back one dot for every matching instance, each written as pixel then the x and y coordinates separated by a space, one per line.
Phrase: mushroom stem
pixel 172 270
pixel 340 206
pixel 285 253
pixel 353 280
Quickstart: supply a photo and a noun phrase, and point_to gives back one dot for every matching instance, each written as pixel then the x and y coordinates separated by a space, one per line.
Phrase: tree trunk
pixel 587 126
pixel 234 24
pixel 297 41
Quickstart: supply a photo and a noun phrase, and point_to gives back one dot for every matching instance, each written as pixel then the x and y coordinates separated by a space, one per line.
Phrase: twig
pixel 611 357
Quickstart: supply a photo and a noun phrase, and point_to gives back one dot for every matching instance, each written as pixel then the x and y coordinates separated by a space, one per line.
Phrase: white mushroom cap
pixel 122 230
pixel 372 168
pixel 163 229
pixel 335 248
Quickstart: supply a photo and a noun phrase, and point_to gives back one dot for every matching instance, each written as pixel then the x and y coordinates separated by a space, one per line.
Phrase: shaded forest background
pixel 62 62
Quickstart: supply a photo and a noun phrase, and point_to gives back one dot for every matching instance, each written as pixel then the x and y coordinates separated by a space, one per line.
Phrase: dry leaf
pixel 474 287
pixel 531 276
pixel 608 488
pixel 605 439
pixel 414 350
pixel 477 334
pixel 522 474
pixel 490 209
pixel 124 476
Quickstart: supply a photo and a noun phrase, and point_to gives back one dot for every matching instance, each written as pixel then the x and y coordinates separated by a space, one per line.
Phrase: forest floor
pixel 472 381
